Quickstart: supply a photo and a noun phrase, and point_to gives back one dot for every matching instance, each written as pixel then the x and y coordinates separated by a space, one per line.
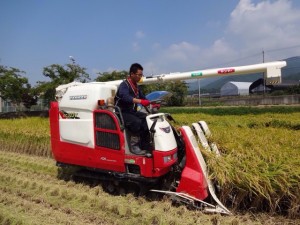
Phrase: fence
pixel 252 100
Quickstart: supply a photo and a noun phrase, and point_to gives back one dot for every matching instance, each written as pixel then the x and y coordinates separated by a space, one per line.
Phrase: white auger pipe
pixel 272 72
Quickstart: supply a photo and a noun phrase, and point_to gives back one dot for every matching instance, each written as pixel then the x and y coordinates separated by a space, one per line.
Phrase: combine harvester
pixel 88 137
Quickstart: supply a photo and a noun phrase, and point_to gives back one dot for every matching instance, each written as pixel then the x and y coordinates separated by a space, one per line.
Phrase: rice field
pixel 258 172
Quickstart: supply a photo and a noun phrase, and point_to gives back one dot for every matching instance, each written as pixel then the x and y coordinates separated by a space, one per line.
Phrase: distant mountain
pixel 292 70
pixel 289 73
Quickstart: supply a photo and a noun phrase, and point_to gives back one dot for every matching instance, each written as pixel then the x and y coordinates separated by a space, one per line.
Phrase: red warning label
pixel 224 71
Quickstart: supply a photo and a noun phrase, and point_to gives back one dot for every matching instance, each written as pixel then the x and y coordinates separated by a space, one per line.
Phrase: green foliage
pixel 293 90
pixel 66 74
pixel 179 91
pixel 46 90
pixel 15 87
pixel 115 75
pixel 60 75
pixel 12 84
pixel 177 88
pixel 29 97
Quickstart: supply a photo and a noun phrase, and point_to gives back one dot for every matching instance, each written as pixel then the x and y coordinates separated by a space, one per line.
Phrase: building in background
pixel 235 88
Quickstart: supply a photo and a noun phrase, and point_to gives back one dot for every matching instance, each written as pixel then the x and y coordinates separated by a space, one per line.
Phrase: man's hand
pixel 145 102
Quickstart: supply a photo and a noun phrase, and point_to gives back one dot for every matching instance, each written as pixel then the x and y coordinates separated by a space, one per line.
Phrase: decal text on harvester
pixel 69 115
pixel 131 161
pixel 224 71
pixel 108 160
pixel 196 74
pixel 78 97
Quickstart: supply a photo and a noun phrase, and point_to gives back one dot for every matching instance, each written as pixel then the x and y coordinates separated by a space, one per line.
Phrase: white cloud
pixel 139 34
pixel 135 46
pixel 265 25
pixel 220 51
pixel 178 55
pixel 252 27
pixel 182 51
pixel 185 56
pixel 156 46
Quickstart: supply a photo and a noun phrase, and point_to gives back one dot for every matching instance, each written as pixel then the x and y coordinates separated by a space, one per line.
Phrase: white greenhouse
pixel 235 88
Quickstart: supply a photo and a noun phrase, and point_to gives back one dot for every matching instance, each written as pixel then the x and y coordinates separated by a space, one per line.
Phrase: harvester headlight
pixel 175 155
pixel 167 158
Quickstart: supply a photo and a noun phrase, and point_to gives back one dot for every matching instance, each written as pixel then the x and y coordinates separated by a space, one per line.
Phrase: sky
pixel 163 35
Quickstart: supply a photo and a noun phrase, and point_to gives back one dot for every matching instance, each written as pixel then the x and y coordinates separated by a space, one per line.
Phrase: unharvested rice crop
pixel 26 135
pixel 260 164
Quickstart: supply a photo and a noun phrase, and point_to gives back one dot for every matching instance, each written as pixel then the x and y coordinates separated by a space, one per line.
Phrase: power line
pixel 258 54
pixel 236 60
pixel 280 49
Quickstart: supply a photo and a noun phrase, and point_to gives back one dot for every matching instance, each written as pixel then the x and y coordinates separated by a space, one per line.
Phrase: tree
pixel 115 75
pixel 178 89
pixel 46 90
pixel 66 74
pixel 15 87
pixel 293 90
pixel 29 97
pixel 59 75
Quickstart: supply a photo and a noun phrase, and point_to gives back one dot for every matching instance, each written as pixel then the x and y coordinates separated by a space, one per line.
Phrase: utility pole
pixel 199 92
pixel 264 82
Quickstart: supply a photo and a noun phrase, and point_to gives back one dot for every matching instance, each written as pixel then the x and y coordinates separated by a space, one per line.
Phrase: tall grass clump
pixel 26 135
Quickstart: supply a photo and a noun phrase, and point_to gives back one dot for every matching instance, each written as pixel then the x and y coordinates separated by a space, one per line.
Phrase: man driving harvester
pixel 127 98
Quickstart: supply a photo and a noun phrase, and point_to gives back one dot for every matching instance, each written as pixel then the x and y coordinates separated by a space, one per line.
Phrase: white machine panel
pixel 77 105
pixel 163 137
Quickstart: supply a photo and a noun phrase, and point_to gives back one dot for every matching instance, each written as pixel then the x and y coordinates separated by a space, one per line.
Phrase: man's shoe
pixel 135 145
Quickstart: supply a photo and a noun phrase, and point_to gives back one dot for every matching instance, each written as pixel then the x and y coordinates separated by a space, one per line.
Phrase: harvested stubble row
pixel 31 194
